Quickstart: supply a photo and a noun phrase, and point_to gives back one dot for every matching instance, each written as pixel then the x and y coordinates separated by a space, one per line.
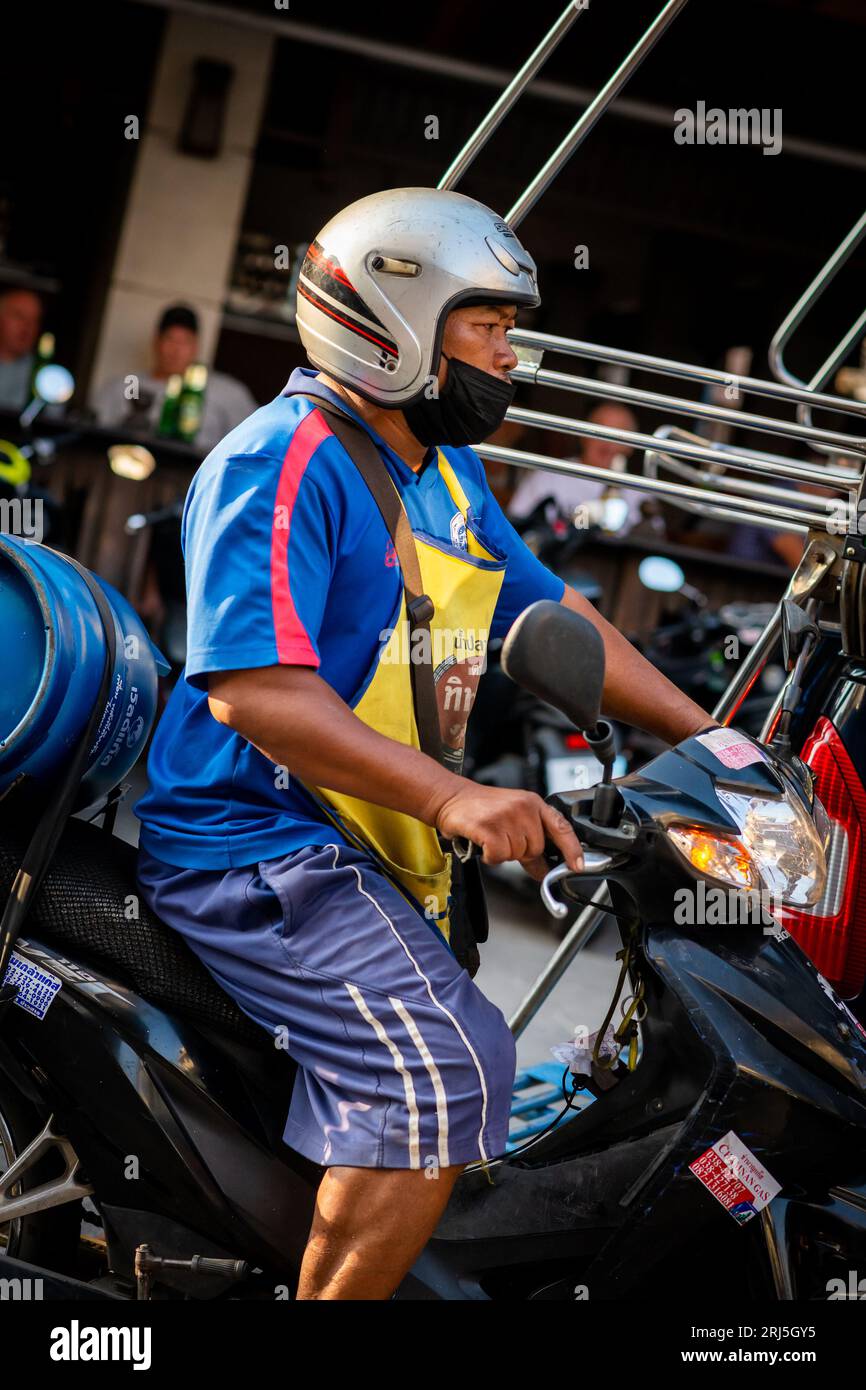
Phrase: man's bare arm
pixel 634 691
pixel 297 721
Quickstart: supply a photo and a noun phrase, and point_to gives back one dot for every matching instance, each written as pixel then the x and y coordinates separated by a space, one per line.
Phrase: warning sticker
pixel 731 748
pixel 36 987
pixel 735 1177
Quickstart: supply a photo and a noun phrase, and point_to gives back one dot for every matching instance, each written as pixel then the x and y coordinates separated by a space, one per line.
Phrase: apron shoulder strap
pixel 419 607
pixel 453 484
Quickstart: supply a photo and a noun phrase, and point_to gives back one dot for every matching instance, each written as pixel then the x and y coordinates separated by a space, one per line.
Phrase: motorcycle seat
pixel 83 909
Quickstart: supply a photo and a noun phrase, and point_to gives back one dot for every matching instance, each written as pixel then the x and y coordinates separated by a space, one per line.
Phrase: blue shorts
pixel 402 1061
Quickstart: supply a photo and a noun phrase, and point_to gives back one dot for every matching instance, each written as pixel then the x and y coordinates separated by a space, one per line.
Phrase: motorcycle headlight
pixel 716 856
pixel 780 843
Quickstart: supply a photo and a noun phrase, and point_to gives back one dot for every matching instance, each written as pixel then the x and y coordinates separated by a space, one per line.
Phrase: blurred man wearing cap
pixel 175 347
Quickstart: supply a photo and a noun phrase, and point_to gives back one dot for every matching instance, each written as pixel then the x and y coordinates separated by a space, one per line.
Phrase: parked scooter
pixel 699 648
pixel 743 1087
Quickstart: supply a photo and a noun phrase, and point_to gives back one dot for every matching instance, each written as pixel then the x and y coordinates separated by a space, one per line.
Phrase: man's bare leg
pixel 370 1226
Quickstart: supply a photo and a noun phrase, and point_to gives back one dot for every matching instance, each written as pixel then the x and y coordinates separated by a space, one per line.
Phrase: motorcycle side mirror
pixel 661 574
pixel 54 384
pixel 796 627
pixel 559 656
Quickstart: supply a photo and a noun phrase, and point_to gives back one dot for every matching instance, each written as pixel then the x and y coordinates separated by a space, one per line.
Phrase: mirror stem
pixel 605 803
pixel 781 742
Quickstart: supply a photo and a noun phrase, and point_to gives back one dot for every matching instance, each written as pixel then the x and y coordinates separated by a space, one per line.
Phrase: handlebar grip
pixel 207 1264
pixel 467 849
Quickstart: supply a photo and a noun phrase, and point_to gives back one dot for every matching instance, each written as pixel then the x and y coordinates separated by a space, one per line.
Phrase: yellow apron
pixel 464 587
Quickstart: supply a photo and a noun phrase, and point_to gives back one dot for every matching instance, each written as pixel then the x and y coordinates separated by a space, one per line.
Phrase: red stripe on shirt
pixel 293 642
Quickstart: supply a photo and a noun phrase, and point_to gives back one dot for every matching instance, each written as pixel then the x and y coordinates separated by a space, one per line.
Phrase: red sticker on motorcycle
pixel 735 1177
pixel 731 748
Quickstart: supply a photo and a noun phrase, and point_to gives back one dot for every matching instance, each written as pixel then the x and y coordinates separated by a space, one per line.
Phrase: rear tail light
pixel 833 932
pixel 575 741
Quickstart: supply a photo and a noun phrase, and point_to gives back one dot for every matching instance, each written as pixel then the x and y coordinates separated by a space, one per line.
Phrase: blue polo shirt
pixel 288 561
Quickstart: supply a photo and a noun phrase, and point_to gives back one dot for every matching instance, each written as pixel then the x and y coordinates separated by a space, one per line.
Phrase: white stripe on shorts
pixel 408 1085
pixel 435 1076
pixel 470 1049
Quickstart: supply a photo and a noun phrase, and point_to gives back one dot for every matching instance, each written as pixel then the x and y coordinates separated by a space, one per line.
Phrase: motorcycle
pixel 131 1083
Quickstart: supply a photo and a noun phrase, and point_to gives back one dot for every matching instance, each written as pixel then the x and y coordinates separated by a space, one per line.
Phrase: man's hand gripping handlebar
pixel 502 825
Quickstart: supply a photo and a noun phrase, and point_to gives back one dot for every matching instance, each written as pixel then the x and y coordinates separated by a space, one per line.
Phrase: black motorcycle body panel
pixel 166 1119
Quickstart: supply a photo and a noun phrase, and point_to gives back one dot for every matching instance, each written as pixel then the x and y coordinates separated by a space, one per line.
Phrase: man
pixel 291 829
pixel 175 347
pixel 20 323
pixel 756 545
pixel 569 491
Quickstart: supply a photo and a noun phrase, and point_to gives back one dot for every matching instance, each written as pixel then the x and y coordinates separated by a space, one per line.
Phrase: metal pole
pixel 766 523
pixel 634 395
pixel 828 366
pixel 503 105
pixel 710 376
pixel 743 487
pixel 813 292
pixel 574 941
pixel 851 477
pixel 743 506
pixel 748 673
pixel 818 559
pixel 819 474
pixel 531 194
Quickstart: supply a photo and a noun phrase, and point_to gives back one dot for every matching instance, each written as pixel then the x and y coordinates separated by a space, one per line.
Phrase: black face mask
pixel 470 406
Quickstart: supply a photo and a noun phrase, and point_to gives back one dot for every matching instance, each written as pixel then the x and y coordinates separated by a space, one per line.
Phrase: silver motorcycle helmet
pixel 381 277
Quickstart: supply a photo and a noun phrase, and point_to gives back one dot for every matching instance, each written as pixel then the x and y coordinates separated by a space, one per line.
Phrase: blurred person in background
pixel 759 545
pixel 175 348
pixel 569 491
pixel 755 545
pixel 20 324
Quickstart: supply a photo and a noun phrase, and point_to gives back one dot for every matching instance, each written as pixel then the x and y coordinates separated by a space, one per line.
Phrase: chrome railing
pixel 723 480
pixel 703 489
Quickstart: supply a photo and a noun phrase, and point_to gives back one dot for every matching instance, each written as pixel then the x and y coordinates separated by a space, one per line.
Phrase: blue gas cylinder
pixel 52 654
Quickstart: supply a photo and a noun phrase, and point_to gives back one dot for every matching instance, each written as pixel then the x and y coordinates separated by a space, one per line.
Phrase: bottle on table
pixel 191 402
pixel 168 417
pixel 44 355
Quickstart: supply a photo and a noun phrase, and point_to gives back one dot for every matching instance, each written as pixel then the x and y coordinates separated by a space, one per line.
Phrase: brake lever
pixel 593 864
